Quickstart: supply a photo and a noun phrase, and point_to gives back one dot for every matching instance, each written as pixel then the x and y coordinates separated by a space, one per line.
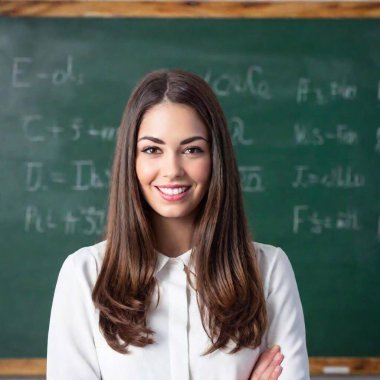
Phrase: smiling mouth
pixel 173 191
pixel 173 195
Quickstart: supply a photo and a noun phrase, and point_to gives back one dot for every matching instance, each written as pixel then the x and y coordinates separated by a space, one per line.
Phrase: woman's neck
pixel 173 235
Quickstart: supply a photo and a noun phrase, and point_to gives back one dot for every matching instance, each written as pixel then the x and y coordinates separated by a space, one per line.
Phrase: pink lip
pixel 174 197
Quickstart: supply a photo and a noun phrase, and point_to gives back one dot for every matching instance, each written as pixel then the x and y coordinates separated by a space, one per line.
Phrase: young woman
pixel 177 290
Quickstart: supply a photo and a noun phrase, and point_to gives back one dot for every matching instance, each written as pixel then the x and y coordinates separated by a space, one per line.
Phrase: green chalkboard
pixel 302 99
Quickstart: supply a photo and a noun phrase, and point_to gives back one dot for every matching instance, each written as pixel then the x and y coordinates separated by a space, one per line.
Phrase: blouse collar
pixel 162 259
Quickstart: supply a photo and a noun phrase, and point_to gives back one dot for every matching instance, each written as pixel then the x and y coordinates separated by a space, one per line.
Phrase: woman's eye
pixel 195 150
pixel 150 149
pixel 153 150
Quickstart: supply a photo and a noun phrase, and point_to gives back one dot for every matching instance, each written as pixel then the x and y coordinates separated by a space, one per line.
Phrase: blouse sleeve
pixel 286 320
pixel 71 352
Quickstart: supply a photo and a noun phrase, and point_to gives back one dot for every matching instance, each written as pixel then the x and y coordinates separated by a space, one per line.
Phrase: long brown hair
pixel 227 281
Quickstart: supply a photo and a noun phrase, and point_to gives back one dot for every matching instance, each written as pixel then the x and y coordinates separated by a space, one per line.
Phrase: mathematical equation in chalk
pixel 251 179
pixel 253 82
pixel 238 132
pixel 36 130
pixel 25 73
pixel 84 220
pixel 83 176
pixel 317 94
pixel 338 177
pixel 341 135
pixel 309 220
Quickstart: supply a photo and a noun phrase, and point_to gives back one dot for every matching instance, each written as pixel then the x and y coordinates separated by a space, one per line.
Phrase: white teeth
pixel 175 191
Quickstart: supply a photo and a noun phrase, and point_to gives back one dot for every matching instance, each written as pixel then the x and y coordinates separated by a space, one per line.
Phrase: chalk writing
pixel 251 178
pixel 71 222
pixel 237 133
pixel 85 220
pixel 85 176
pixel 105 133
pixel 377 146
pixel 36 222
pixel 253 83
pixel 36 130
pixel 342 135
pixel 23 74
pixel 318 95
pixel 89 221
pixel 339 177
pixel 313 222
pixel 34 176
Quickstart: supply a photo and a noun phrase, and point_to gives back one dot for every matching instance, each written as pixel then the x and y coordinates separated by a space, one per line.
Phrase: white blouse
pixel 77 350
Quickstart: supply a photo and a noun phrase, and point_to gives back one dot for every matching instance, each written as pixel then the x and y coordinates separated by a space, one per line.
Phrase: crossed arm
pixel 268 365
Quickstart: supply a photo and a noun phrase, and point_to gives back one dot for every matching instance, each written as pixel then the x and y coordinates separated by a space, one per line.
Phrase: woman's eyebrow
pixel 186 141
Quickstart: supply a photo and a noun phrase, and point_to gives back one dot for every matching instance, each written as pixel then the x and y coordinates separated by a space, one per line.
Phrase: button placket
pixel 178 321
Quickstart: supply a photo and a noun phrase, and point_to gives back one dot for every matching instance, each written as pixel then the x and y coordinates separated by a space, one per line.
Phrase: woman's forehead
pixel 170 120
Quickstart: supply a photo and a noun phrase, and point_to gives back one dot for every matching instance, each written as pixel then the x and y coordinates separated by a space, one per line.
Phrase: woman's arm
pixel 286 320
pixel 71 352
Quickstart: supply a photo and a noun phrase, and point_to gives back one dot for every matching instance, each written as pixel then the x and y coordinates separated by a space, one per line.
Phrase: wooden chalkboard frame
pixel 301 9
pixel 192 9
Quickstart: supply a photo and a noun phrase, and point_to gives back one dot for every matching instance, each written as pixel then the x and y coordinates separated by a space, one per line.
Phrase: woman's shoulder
pixel 273 262
pixel 85 263
pixel 92 253
pixel 267 253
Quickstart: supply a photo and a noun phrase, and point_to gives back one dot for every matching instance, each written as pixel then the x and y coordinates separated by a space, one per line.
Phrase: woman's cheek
pixel 202 171
pixel 145 170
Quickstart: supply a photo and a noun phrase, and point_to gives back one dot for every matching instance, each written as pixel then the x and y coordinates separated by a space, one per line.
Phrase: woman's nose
pixel 172 166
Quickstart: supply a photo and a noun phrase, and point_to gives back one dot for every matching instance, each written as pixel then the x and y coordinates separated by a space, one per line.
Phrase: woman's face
pixel 173 160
